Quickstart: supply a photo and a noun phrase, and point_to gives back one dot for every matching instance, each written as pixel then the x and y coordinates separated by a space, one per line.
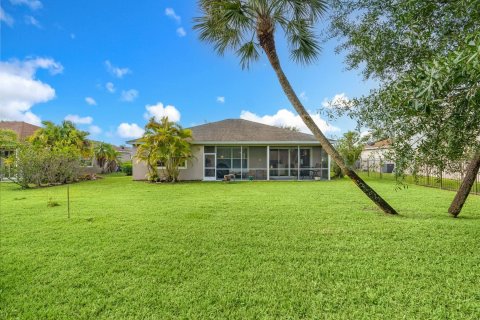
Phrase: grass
pixel 239 250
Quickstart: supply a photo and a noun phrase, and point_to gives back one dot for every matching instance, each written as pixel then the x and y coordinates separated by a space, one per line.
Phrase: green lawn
pixel 240 250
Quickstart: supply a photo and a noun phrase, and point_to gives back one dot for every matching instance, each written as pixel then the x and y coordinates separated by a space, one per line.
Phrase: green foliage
pixel 386 38
pixel 127 168
pixel 336 171
pixel 239 25
pixel 350 146
pixel 426 55
pixel 164 142
pixel 250 250
pixel 8 139
pixel 107 157
pixel 39 166
pixel 60 136
pixel 52 155
pixel 52 203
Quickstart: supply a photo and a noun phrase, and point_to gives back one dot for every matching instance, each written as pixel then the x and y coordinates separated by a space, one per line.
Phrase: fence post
pixel 68 200
pixel 380 167
pixel 441 179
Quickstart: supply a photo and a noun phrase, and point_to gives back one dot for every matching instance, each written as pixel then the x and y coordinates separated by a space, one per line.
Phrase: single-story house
pixel 374 157
pixel 249 151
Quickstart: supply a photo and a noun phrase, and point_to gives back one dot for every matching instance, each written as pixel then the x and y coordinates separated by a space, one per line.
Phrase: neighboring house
pixel 23 131
pixel 250 151
pixel 374 157
pixel 126 153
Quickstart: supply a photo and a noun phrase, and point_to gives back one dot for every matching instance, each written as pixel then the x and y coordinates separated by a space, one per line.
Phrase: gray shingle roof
pixel 233 131
pixel 239 130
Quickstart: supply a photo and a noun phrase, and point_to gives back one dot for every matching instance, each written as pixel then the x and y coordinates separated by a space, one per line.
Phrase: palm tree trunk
pixel 267 42
pixel 467 183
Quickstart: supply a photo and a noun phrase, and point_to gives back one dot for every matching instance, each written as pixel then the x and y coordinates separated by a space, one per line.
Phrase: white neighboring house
pixel 374 157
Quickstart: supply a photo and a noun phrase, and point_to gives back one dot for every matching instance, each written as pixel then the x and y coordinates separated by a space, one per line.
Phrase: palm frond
pixel 248 53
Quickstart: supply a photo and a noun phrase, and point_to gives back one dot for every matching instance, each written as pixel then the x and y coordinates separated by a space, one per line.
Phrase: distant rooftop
pixel 385 143
pixel 23 129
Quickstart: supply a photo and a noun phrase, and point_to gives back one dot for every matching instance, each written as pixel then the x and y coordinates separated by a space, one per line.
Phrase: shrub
pixel 40 166
pixel 336 171
pixel 52 203
pixel 127 168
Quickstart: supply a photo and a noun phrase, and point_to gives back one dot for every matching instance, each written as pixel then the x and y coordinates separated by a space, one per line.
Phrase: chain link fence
pixel 428 177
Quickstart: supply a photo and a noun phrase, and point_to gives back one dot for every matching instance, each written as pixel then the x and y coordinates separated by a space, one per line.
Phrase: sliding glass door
pixel 286 162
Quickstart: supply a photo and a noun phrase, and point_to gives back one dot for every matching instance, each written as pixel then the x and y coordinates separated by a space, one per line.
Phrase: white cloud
pixel 129 95
pixel 303 96
pixel 169 12
pixel 284 117
pixel 158 111
pixel 340 100
pixel 19 90
pixel 32 4
pixel 32 21
pixel 94 130
pixel 4 17
pixel 127 130
pixel 79 120
pixel 116 71
pixel 181 32
pixel 221 99
pixel 110 87
pixel 90 101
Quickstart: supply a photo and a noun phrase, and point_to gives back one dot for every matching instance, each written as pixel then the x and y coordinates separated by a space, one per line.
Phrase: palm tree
pixel 106 156
pixel 245 26
pixel 167 143
pixel 63 135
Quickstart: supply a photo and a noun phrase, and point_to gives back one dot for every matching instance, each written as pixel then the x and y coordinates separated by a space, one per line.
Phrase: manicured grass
pixel 239 250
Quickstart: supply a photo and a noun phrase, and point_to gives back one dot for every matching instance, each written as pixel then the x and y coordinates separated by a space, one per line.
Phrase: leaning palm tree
pixel 246 26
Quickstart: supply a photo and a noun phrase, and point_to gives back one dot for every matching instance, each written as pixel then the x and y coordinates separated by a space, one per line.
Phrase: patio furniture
pixel 229 177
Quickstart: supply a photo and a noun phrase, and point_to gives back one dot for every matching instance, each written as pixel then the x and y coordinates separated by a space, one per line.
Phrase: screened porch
pixel 266 162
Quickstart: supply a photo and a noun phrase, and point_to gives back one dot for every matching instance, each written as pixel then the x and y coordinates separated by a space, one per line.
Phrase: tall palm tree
pixel 245 26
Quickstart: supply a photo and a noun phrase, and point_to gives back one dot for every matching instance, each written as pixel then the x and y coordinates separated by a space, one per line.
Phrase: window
pixel 86 162
pixel 161 165
pixel 209 149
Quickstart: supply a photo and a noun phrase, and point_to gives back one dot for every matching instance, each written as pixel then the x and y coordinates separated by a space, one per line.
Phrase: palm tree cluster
pixel 246 26
pixel 165 144
pixel 107 157
pixel 65 135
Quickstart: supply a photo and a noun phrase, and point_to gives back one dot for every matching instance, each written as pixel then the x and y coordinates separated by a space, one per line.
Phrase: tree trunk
pixel 267 42
pixel 465 187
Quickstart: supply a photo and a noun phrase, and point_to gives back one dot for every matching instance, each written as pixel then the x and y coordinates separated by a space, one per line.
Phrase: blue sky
pixel 108 65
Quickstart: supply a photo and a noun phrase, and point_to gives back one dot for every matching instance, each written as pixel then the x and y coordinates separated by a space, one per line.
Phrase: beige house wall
pixel 194 170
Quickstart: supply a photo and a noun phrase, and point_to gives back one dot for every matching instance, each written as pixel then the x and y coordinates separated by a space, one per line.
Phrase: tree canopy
pixel 426 56
pixel 8 139
pixel 165 143
pixel 65 135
